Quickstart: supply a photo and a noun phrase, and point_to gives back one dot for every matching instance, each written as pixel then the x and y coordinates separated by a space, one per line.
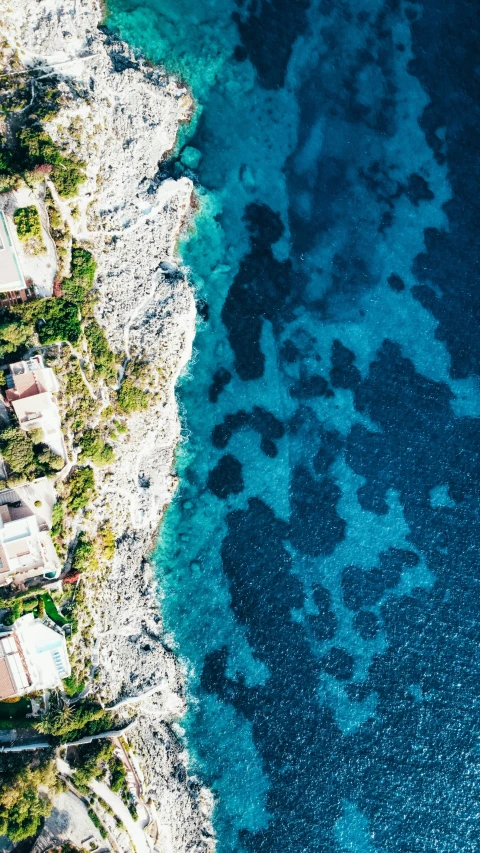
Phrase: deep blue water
pixel 320 562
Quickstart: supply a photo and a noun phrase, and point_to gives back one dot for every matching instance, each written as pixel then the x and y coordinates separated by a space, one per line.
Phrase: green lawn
pixel 15 710
pixel 51 610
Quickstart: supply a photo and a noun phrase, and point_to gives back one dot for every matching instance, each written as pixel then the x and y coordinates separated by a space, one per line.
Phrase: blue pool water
pixel 320 563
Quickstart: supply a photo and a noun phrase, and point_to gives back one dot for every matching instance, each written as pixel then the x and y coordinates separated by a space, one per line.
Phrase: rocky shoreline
pixel 125 116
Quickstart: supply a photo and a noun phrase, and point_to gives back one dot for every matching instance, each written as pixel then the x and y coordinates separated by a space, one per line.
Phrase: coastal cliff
pixel 120 116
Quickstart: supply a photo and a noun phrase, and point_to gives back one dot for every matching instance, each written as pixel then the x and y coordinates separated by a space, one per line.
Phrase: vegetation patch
pixel 103 357
pixel 24 459
pixel 54 319
pixel 79 284
pixel 73 685
pixel 90 762
pixel 22 806
pixel 80 488
pixel 15 336
pixel 131 398
pixel 118 776
pixel 95 448
pixel 29 228
pixel 34 147
pixel 84 557
pixel 16 710
pixel 67 723
pixel 52 611
pixel 97 822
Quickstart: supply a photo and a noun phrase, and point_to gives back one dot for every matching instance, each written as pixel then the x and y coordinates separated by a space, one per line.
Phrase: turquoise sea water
pixel 319 564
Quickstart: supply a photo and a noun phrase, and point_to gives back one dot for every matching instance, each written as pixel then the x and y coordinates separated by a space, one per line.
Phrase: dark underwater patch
pixel 315 526
pixel 366 623
pixel 226 478
pixel 260 290
pixel 260 420
pixel 339 663
pixel 220 380
pixel 396 282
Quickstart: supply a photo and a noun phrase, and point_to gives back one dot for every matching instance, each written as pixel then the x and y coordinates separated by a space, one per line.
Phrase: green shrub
pixel 103 357
pixel 83 265
pixel 36 435
pixel 55 319
pixel 82 275
pixel 95 448
pixel 36 147
pixel 25 460
pixel 106 540
pixel 16 610
pixel 132 809
pixel 80 488
pixel 67 178
pixel 59 321
pixel 73 685
pixel 131 398
pixel 27 223
pixel 84 557
pixel 89 761
pixel 97 822
pixel 58 513
pixel 118 775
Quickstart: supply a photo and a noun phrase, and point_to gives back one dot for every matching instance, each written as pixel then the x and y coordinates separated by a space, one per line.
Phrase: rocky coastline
pixel 125 114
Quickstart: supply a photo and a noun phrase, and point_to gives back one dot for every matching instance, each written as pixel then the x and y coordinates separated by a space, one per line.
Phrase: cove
pixel 319 563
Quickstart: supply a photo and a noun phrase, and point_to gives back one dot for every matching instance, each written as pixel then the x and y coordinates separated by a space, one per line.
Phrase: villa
pixel 26 549
pixel 31 390
pixel 32 657
pixel 12 283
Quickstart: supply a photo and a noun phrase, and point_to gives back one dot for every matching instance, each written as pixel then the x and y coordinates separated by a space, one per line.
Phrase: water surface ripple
pixel 320 562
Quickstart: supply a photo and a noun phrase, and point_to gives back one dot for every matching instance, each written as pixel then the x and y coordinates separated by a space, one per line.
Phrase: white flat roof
pixel 11 276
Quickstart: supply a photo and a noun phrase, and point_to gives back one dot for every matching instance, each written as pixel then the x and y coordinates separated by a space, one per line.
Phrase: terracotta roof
pixel 25 386
pixel 17 512
pixel 7 687
pixel 5 514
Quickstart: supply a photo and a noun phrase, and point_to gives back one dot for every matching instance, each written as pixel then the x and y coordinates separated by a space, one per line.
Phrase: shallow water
pixel 319 564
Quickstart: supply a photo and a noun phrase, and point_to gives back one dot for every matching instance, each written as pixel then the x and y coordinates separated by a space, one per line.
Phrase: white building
pixel 31 390
pixel 26 549
pixel 32 657
pixel 11 276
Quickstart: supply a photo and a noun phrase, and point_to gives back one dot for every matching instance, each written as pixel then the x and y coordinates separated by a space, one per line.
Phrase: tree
pixel 95 448
pixel 36 435
pixel 83 267
pixel 56 319
pixel 17 450
pixel 68 723
pixel 80 488
pixel 103 357
pixel 14 335
pixel 22 805
pixel 84 557
pixel 131 398
pixel 50 460
pixel 59 321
